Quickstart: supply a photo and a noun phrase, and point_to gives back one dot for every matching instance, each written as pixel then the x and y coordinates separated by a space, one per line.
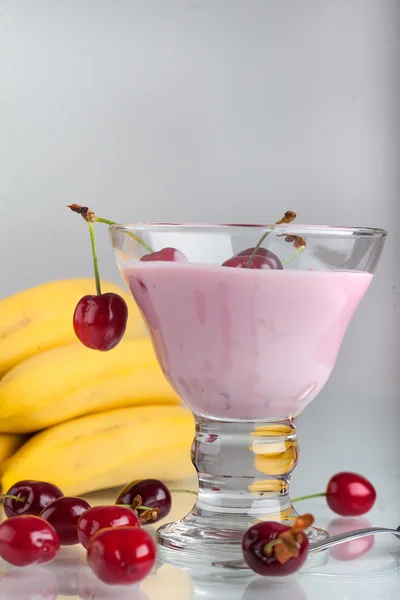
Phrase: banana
pixel 9 443
pixel 107 449
pixel 72 380
pixel 39 318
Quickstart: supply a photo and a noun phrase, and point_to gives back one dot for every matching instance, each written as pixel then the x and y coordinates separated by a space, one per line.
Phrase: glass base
pixel 244 470
pixel 193 544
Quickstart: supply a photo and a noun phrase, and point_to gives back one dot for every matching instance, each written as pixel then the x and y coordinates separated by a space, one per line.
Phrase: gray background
pixel 214 110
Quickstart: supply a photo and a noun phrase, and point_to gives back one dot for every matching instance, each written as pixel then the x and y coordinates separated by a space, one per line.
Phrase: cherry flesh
pixel 165 255
pixel 26 540
pixel 349 494
pixel 263 259
pixel 257 537
pixel 154 494
pixel 121 555
pixel 101 517
pixel 63 514
pixel 37 495
pixel 100 321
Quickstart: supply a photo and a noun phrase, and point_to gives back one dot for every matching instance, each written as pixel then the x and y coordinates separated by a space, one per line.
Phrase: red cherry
pixel 154 494
pixel 121 555
pixel 349 494
pixel 37 495
pixel 27 540
pixel 100 321
pixel 63 514
pixel 165 255
pixel 253 547
pixel 263 259
pixel 100 517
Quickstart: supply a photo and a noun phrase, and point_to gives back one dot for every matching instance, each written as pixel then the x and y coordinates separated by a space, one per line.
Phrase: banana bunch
pixel 83 419
pixel 107 449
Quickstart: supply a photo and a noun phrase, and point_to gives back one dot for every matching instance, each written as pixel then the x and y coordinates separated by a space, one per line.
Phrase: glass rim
pixel 290 228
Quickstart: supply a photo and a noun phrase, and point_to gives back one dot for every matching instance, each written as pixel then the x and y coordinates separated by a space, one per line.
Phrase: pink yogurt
pixel 245 343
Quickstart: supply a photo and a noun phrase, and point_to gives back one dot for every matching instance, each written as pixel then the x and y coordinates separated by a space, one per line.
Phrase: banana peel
pixel 107 449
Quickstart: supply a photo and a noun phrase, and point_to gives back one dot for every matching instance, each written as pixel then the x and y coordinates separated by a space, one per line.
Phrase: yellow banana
pixel 39 318
pixel 72 380
pixel 9 443
pixel 107 449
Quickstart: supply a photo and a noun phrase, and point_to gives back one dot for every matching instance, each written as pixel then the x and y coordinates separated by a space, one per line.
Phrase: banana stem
pixel 95 260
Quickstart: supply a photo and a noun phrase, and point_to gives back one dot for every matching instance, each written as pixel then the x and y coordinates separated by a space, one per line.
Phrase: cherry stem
pixel 19 498
pixel 287 218
pixel 89 216
pixel 95 260
pixel 284 262
pixel 135 237
pixel 309 497
pixel 183 492
pixel 267 549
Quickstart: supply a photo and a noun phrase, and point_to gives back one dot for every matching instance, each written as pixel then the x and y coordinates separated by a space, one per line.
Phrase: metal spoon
pixel 350 535
pixel 324 544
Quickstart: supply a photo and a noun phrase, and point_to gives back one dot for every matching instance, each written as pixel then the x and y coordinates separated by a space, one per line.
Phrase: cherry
pixel 271 548
pixel 36 496
pixel 63 514
pixel 121 555
pixel 153 494
pixel 26 540
pixel 100 321
pixel 165 255
pixel 100 517
pixel 262 259
pixel 349 494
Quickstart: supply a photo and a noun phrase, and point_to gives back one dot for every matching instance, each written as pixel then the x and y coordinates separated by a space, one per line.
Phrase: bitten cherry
pixel 271 548
pixel 165 255
pixel 121 555
pixel 349 494
pixel 100 517
pixel 35 496
pixel 63 514
pixel 100 321
pixel 27 540
pixel 153 493
pixel 262 259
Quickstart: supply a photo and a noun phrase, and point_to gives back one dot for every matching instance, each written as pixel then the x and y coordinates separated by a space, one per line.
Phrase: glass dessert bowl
pixel 246 322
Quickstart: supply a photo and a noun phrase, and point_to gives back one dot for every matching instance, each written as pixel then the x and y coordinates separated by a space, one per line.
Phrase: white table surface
pixel 374 576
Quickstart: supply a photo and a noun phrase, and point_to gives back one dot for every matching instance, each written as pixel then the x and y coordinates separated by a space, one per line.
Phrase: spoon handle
pixel 324 544
pixel 351 535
